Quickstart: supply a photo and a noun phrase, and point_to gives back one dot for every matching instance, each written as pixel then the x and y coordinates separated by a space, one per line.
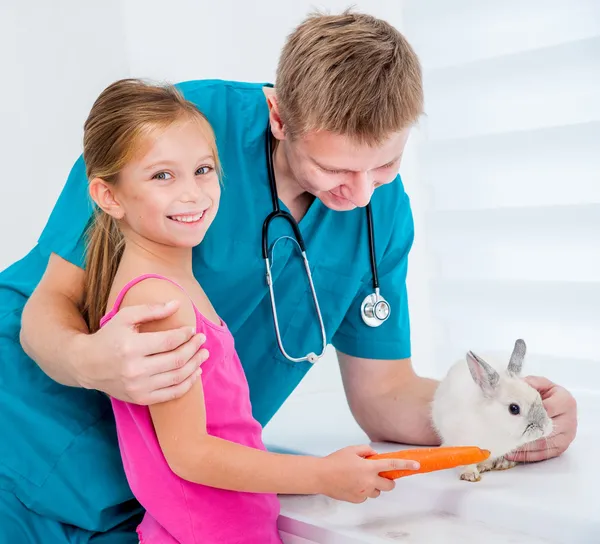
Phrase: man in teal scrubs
pixel 348 89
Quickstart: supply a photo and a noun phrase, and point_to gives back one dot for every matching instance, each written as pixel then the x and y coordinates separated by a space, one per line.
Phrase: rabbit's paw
pixel 470 473
pixel 503 464
pixel 486 465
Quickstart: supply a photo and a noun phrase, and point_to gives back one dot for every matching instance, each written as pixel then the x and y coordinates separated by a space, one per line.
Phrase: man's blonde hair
pixel 350 74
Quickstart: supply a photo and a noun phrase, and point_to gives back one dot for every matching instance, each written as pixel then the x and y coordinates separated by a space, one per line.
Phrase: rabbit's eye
pixel 514 409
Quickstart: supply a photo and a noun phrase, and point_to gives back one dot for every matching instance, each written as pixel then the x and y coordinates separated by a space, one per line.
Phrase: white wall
pixel 230 39
pixel 510 160
pixel 56 57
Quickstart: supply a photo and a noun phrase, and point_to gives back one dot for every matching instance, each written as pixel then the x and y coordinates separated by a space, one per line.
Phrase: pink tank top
pixel 179 511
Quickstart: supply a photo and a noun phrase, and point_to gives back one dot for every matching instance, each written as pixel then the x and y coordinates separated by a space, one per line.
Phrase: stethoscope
pixel 374 309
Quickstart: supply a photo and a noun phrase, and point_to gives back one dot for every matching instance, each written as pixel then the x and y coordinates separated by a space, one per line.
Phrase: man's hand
pixel 120 360
pixel 142 367
pixel 562 409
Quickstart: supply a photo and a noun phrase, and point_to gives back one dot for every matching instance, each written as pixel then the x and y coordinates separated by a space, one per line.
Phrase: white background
pixel 502 173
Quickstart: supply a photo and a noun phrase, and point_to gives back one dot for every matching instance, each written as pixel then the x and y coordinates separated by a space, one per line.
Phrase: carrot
pixel 432 459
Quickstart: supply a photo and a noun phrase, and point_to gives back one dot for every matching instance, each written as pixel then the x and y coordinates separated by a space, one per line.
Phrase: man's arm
pixel 391 404
pixel 143 368
pixel 389 401
pixel 52 322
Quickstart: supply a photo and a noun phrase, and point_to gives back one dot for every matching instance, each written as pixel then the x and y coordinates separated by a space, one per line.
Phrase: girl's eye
pixel 203 170
pixel 161 176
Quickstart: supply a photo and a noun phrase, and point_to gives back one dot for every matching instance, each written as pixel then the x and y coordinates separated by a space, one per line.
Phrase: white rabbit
pixel 489 405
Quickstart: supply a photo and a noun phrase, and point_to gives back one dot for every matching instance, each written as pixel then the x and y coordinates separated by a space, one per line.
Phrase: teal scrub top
pixel 59 451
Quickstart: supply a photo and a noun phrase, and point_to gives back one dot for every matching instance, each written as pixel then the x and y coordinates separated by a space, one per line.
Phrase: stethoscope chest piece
pixel 374 310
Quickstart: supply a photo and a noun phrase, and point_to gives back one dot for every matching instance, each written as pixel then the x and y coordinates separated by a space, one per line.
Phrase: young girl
pixel 196 464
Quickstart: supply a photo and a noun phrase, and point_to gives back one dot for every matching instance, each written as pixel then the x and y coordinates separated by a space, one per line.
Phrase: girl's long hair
pixel 122 118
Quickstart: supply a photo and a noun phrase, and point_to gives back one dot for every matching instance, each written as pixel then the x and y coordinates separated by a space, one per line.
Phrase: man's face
pixel 340 172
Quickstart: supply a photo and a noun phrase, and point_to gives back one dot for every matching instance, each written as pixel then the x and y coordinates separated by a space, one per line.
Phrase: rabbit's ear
pixel 483 374
pixel 516 359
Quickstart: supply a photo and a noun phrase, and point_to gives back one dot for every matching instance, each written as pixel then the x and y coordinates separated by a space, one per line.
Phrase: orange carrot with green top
pixel 432 459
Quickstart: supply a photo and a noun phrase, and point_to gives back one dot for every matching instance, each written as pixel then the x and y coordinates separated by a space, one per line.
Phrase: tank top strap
pixel 135 281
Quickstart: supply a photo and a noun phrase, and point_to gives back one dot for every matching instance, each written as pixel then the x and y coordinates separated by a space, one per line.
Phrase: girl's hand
pixel 348 476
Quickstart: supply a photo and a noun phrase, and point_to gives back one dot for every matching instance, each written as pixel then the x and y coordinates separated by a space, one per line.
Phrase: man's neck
pixel 289 191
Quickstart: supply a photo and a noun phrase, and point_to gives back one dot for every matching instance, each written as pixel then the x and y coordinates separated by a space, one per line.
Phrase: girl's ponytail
pixel 104 251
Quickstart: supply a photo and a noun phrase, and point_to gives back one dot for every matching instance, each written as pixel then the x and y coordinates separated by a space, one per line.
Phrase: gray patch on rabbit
pixel 536 416
pixel 516 359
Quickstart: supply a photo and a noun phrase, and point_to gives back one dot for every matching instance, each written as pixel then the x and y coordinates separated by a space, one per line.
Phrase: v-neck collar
pixel 308 215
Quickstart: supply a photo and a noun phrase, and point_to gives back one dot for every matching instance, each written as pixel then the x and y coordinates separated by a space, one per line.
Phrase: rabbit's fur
pixel 486 403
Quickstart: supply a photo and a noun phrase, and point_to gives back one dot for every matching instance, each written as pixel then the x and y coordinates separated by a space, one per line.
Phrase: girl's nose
pixel 191 190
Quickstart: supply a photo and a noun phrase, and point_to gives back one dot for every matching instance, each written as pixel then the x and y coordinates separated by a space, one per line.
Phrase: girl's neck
pixel 147 257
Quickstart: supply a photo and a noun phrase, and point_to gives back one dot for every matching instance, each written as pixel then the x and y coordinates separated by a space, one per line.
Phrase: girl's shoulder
pixel 156 296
